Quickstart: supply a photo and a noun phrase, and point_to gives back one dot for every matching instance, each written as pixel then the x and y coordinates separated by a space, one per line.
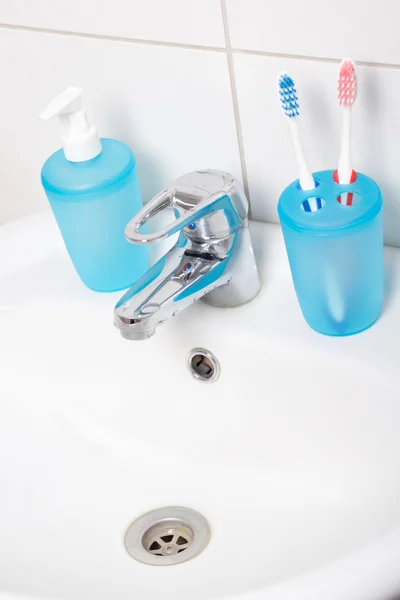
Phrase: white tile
pixel 172 106
pixel 196 22
pixel 323 28
pixel 267 144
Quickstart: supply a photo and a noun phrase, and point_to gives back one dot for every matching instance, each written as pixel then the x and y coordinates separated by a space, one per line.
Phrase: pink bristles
pixel 347 84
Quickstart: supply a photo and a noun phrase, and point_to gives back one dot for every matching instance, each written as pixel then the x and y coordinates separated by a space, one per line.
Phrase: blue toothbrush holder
pixel 334 242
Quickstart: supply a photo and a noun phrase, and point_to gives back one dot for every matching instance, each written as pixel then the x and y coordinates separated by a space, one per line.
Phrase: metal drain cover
pixel 203 365
pixel 167 536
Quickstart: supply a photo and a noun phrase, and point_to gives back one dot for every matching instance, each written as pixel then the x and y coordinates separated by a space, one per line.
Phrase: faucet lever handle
pixel 159 203
pixel 163 201
pixel 195 196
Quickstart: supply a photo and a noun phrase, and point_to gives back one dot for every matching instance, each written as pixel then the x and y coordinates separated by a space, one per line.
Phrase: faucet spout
pixel 139 312
pixel 213 258
pixel 137 334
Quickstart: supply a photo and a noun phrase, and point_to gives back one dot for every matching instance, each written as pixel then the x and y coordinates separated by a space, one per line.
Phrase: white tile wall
pixel 364 30
pixel 178 21
pixel 209 103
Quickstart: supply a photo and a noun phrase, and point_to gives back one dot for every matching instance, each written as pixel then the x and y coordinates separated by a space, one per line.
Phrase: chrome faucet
pixel 213 258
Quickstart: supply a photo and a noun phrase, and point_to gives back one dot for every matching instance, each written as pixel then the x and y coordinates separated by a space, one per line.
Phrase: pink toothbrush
pixel 347 90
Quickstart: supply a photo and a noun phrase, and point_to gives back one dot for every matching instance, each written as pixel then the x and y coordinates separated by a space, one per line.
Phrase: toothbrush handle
pixel 305 177
pixel 353 176
pixel 344 168
pixel 345 198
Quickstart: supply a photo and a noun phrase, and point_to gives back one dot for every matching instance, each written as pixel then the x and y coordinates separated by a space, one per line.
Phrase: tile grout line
pixel 111 38
pixel 362 63
pixel 235 102
pixel 222 50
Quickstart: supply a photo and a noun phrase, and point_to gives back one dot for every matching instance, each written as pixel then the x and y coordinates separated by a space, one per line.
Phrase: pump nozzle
pixel 80 139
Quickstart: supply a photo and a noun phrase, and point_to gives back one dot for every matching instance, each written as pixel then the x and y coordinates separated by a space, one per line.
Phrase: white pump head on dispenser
pixel 80 139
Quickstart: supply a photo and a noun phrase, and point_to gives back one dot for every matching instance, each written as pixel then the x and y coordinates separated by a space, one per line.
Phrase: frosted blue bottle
pixel 335 252
pixel 93 189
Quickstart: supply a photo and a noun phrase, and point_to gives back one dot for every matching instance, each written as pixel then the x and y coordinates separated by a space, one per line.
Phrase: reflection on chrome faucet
pixel 213 258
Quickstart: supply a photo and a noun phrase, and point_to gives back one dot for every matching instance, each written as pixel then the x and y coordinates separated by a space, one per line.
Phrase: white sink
pixel 293 455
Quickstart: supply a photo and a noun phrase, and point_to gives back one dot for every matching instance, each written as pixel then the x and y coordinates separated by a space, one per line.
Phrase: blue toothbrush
pixel 290 106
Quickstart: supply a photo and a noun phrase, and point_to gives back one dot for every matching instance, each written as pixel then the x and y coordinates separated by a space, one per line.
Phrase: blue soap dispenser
pixel 93 189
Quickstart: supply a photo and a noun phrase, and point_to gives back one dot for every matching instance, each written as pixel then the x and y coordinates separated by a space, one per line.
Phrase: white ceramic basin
pixel 293 455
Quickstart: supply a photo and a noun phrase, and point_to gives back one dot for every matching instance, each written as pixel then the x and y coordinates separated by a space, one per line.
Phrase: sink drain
pixel 203 365
pixel 167 536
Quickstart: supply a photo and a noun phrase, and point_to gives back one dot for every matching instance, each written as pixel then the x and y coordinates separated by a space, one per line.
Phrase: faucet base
pixel 244 284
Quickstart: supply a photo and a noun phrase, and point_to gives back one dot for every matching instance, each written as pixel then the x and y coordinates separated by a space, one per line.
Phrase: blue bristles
pixel 288 96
